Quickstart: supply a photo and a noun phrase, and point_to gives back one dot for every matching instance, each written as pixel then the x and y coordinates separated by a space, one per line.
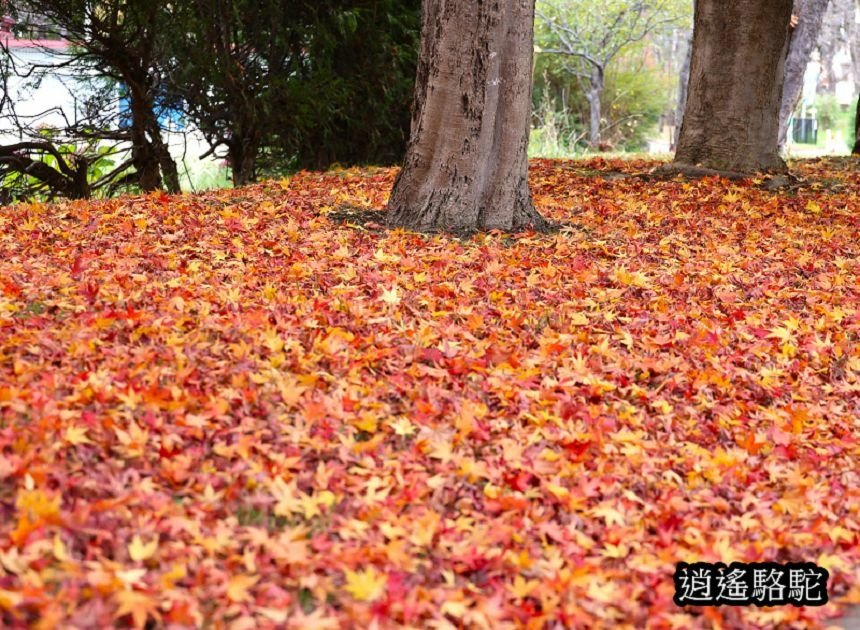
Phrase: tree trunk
pixel 594 94
pixel 169 172
pixel 810 15
pixel 683 84
pixel 80 180
pixel 150 154
pixel 144 159
pixel 856 149
pixel 466 165
pixel 736 74
pixel 243 159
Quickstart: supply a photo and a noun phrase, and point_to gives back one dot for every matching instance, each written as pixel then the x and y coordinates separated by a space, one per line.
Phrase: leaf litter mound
pixel 242 409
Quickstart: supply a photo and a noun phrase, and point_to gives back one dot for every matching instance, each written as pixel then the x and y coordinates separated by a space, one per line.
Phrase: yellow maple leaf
pixel 10 600
pixel 391 296
pixel 76 435
pixel 630 279
pixel 457 609
pixel 238 585
pixel 610 514
pixel 579 319
pixel 367 423
pixel 140 551
pixel 782 333
pixel 522 587
pixel 402 427
pixel 365 586
pixel 177 572
pixel 59 549
pixel 139 605
pixel 134 440
pixel 38 504
pixel 615 551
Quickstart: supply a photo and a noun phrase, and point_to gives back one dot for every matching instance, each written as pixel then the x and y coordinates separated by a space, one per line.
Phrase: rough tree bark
pixel 731 123
pixel 810 15
pixel 596 85
pixel 466 165
pixel 243 161
pixel 144 158
pixel 243 146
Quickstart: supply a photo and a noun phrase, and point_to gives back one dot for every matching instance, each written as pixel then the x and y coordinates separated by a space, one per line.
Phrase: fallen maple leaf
pixel 139 605
pixel 366 585
pixel 140 551
pixel 238 585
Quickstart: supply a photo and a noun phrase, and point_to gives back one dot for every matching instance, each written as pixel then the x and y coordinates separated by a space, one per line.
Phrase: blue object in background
pixel 168 118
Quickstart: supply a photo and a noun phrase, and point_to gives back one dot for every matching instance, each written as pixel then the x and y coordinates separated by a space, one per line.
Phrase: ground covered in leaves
pixel 229 410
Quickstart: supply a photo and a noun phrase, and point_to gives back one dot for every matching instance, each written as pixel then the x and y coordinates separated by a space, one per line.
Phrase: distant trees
pixel 804 38
pixel 296 84
pixel 231 68
pixel 592 34
pixel 271 85
pixel 116 45
pixel 122 43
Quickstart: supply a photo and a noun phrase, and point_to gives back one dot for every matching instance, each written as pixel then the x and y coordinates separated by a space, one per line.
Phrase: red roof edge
pixel 50 44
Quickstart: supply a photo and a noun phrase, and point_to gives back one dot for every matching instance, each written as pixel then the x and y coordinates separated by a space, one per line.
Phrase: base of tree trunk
pixel 773 180
pixel 696 172
pixel 378 220
pixel 443 212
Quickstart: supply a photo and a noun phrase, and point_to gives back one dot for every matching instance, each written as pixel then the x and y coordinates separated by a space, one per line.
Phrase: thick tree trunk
pixel 736 74
pixel 466 165
pixel 144 159
pixel 810 15
pixel 594 95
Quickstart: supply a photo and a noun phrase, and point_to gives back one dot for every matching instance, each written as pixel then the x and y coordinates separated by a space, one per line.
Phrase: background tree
pixel 272 86
pixel 364 60
pixel 466 165
pixel 229 68
pixel 65 157
pixel 804 39
pixel 736 75
pixel 683 87
pixel 284 85
pixel 856 149
pixel 637 97
pixel 120 41
pixel 592 34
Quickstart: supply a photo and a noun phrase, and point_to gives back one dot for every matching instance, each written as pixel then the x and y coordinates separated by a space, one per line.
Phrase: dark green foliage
pixel 364 77
pixel 283 85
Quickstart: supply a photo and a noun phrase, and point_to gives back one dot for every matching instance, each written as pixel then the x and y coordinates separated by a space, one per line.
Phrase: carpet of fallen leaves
pixel 228 410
